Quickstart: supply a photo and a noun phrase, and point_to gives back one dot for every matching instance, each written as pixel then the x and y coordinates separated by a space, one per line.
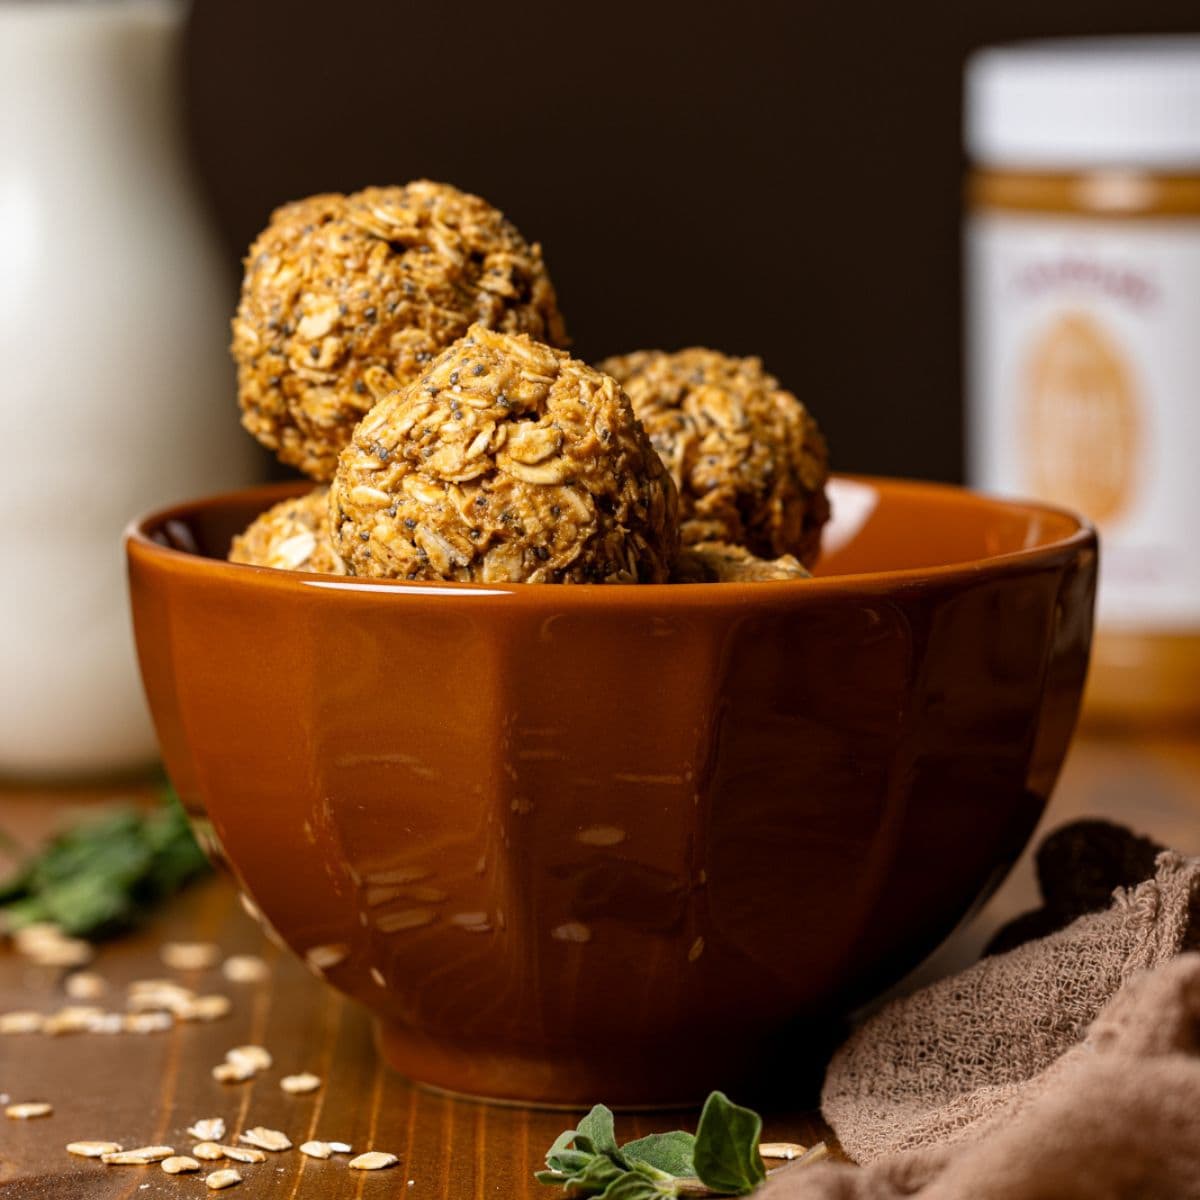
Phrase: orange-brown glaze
pixel 555 837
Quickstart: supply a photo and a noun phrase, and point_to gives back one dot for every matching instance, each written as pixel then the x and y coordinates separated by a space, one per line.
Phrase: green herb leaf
pixel 28 910
pixel 88 903
pixel 102 875
pixel 632 1185
pixel 561 1147
pixel 726 1153
pixel 568 1162
pixel 723 1155
pixel 597 1176
pixel 597 1127
pixel 669 1152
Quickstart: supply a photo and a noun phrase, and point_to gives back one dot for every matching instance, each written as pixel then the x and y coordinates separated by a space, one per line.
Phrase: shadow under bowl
pixel 580 843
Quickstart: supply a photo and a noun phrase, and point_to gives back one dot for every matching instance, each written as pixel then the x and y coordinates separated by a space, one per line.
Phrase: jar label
pixel 1083 355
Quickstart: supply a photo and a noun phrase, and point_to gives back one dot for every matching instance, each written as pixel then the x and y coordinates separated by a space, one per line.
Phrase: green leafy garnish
pixel 598 1131
pixel 102 876
pixel 671 1152
pixel 727 1158
pixel 722 1156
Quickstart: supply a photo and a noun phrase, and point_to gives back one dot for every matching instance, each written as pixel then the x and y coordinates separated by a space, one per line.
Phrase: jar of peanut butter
pixel 1083 331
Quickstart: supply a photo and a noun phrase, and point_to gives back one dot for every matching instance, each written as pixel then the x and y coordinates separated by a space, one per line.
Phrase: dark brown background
pixel 772 178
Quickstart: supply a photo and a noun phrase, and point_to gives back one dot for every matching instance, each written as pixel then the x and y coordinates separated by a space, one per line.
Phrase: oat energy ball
pixel 346 298
pixel 748 459
pixel 292 536
pixel 719 562
pixel 506 461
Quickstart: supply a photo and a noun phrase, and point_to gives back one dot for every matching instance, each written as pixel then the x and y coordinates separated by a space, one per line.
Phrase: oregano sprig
pixel 104 874
pixel 721 1157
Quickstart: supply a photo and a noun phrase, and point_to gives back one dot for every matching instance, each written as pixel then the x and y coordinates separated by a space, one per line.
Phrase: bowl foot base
pixel 511 1076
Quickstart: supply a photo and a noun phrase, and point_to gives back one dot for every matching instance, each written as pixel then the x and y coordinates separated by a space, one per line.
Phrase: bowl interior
pixel 877 525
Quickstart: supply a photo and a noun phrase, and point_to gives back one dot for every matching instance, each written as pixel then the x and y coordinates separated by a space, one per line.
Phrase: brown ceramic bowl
pixel 592 843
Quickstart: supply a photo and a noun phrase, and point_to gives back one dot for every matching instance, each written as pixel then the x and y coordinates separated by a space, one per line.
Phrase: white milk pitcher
pixel 116 390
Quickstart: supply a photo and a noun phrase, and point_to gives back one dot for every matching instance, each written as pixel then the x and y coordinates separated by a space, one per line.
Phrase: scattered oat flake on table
pixel 237 1071
pixel 300 1085
pixel 785 1150
pixel 109 1022
pixel 159 994
pixel 257 1057
pixel 75 1018
pixel 244 1154
pixel 140 1157
pixel 47 945
pixel 190 956
pixel 147 1022
pixel 209 1151
pixel 206 1008
pixel 35 932
pixel 222 1179
pixel 373 1160
pixel 208 1129
pixel 178 1164
pixel 26 1112
pixel 86 985
pixel 245 968
pixel 21 1021
pixel 325 1149
pixel 93 1149
pixel 266 1139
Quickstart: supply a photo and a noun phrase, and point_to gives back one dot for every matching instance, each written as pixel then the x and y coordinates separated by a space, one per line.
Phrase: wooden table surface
pixel 146 1089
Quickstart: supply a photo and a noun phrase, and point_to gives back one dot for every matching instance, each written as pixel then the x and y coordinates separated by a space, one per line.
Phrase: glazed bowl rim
pixel 140 545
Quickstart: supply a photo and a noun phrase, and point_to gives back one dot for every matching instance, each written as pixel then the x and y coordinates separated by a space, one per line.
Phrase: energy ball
pixel 506 461
pixel 719 562
pixel 291 536
pixel 347 298
pixel 748 459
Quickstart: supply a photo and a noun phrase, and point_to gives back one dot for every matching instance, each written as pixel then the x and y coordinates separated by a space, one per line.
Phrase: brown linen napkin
pixel 1068 1060
pixel 1117 1117
pixel 930 1068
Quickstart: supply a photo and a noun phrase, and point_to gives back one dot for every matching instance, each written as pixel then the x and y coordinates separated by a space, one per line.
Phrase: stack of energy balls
pixel 403 347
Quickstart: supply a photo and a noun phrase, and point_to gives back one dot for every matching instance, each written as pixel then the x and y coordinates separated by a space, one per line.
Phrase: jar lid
pixel 1086 103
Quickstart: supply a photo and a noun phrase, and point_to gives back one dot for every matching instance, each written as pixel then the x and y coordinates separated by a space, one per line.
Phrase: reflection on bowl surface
pixel 554 836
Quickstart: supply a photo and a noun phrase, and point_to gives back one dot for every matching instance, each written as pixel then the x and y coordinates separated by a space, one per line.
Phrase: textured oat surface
pixel 346 298
pixel 506 461
pixel 748 459
pixel 719 562
pixel 291 536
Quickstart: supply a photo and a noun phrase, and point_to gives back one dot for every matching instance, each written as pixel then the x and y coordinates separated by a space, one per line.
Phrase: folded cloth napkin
pixel 1066 1067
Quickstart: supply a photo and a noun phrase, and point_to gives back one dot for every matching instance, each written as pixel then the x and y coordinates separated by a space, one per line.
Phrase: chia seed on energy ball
pixel 345 298
pixel 544 475
pixel 747 457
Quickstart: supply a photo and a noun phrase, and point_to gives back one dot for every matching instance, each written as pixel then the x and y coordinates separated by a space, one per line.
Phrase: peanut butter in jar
pixel 1083 332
